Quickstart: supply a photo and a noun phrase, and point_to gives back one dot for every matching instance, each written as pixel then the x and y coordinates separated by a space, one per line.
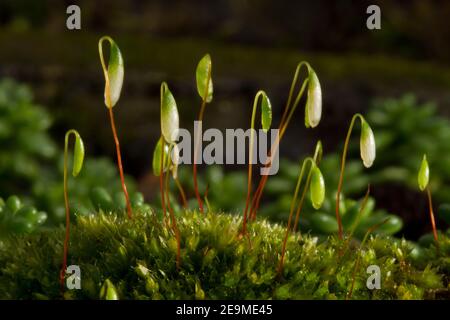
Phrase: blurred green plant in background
pixel 31 163
pixel 405 130
pixel 16 217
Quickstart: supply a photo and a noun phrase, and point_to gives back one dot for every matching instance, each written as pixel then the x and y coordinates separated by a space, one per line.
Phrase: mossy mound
pixel 136 259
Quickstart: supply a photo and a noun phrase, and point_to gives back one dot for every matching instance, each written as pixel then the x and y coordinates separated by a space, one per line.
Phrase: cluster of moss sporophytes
pixel 206 254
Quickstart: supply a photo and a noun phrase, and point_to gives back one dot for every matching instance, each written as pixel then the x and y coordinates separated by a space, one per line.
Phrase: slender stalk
pixel 356 223
pixel 208 206
pixel 433 223
pixel 341 175
pixel 250 161
pixel 355 269
pixel 119 163
pixel 182 193
pixel 173 222
pixel 161 180
pixel 291 112
pixel 66 203
pixel 197 142
pixel 302 200
pixel 291 211
pixel 316 158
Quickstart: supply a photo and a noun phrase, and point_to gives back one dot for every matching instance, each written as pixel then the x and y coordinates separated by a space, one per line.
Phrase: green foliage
pixel 135 259
pixel 32 165
pixel 17 217
pixel 24 142
pixel 102 200
pixel 405 130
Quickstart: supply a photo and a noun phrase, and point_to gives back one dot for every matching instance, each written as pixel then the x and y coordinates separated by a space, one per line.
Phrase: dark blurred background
pixel 254 45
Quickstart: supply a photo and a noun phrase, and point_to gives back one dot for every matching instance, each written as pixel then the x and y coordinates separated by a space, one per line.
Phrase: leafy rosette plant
pixel 18 218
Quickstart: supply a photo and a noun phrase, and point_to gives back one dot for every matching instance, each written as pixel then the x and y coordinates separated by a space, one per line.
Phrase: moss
pixel 135 259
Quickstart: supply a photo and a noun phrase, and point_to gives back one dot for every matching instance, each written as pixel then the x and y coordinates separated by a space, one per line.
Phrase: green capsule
pixel 113 71
pixel 156 163
pixel 424 174
pixel 367 144
pixel 313 108
pixel 266 112
pixel 169 115
pixel 203 72
pixel 317 188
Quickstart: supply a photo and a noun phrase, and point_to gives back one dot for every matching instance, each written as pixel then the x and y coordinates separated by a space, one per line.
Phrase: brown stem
pixel 300 204
pixel 67 237
pixel 174 222
pixel 288 228
pixel 197 193
pixel 433 223
pixel 182 193
pixel 197 142
pixel 341 175
pixel 161 180
pixel 369 231
pixel 119 163
pixel 356 223
pixel 285 119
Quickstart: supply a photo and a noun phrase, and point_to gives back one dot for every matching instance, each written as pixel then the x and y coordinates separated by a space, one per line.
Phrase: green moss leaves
pixel 78 156
pixel 113 72
pixel 169 115
pixel 203 77
pixel 218 266
pixel 367 144
pixel 108 291
pixel 424 174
